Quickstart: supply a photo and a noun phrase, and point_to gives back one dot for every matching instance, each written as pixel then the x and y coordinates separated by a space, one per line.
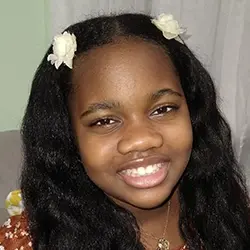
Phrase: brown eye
pixel 164 110
pixel 103 122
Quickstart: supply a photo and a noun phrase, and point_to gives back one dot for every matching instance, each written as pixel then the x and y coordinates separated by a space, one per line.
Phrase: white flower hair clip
pixel 64 48
pixel 169 26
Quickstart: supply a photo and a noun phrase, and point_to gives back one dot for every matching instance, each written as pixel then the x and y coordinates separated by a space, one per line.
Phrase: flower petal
pixel 58 63
pixel 68 62
pixel 169 26
pixel 158 24
pixel 52 58
pixel 64 47
pixel 165 17
pixel 169 35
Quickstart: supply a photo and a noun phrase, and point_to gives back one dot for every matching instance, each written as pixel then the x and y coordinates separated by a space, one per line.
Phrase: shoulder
pixel 14 234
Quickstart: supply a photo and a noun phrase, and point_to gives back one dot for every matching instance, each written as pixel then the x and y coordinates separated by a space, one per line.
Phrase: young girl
pixel 125 147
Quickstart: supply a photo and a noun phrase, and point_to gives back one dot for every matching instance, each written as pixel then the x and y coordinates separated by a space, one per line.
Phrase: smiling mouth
pixel 142 171
pixel 145 177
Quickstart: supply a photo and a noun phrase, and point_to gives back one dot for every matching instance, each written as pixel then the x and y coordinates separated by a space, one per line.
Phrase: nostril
pixel 139 142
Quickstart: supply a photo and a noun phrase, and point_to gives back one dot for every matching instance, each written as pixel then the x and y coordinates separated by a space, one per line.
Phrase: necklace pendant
pixel 163 244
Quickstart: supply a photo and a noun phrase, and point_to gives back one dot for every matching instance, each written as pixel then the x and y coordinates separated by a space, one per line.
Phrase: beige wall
pixel 24 39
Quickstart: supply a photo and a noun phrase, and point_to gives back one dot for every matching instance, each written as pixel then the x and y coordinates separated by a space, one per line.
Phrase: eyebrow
pixel 158 94
pixel 105 105
pixel 108 105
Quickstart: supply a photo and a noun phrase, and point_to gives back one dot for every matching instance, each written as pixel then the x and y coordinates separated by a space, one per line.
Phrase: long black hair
pixel 66 210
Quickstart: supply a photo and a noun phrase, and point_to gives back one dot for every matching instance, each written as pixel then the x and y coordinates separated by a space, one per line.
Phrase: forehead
pixel 126 64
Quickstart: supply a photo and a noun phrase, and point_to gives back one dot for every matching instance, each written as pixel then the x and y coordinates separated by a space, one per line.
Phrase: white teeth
pixel 149 169
pixel 141 171
pixel 130 171
pixel 134 171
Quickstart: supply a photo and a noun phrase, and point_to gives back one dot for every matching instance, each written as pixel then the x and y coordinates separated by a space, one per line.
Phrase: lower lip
pixel 148 181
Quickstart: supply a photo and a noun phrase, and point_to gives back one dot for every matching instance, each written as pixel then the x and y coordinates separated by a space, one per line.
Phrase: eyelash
pixel 105 119
pixel 171 107
pixel 95 123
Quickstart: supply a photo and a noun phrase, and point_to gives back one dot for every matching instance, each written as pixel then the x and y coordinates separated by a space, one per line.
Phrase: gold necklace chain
pixel 162 243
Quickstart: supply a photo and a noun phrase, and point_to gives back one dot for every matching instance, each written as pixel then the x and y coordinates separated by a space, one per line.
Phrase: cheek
pixel 183 139
pixel 179 137
pixel 96 154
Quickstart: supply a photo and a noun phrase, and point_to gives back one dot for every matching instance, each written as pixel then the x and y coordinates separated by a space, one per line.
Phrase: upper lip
pixel 143 162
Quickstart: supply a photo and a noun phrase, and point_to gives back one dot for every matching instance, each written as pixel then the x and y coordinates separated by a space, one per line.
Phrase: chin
pixel 147 205
pixel 149 201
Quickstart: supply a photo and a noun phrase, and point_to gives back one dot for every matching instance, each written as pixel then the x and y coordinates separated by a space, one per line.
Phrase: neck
pixel 153 221
pixel 158 216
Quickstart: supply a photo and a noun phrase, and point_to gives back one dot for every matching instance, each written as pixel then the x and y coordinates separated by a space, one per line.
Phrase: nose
pixel 139 138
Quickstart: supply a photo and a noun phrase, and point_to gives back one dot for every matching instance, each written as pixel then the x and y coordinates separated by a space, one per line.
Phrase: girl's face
pixel 131 121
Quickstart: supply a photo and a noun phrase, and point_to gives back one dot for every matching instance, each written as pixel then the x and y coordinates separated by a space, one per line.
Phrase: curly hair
pixel 66 210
